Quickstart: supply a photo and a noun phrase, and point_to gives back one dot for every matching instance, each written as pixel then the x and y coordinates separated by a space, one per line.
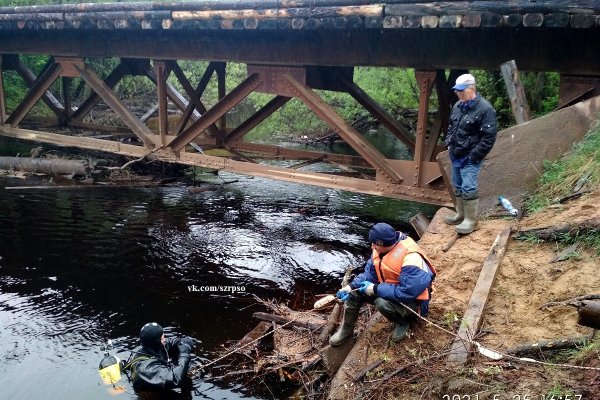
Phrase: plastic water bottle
pixel 507 205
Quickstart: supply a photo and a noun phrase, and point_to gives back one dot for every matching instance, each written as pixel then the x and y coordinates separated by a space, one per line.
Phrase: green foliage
pixel 560 392
pixel 450 318
pixel 559 177
pixel 589 238
pixel 394 89
pixel 530 238
pixel 541 90
pixel 580 165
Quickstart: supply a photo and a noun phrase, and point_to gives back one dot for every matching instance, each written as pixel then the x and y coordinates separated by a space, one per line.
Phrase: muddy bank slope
pixel 416 367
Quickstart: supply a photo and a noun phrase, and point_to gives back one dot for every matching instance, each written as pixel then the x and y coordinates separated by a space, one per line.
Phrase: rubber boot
pixel 470 221
pixel 346 328
pixel 458 217
pixel 400 331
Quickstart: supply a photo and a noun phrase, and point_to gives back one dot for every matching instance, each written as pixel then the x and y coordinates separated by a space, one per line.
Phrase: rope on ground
pixel 497 355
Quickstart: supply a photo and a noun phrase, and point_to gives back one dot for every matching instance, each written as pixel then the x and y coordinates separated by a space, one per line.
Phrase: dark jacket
pixel 472 130
pixel 412 282
pixel 154 369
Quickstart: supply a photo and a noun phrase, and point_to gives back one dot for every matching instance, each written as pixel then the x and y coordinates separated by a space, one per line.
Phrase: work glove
pixel 344 293
pixel 187 340
pixel 185 346
pixel 368 288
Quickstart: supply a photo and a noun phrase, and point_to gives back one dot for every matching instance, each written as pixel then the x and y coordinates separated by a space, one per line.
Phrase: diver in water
pixel 159 364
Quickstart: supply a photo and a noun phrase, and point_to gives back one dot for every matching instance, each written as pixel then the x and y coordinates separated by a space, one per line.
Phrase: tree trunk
pixel 553 232
pixel 45 166
pixel 548 345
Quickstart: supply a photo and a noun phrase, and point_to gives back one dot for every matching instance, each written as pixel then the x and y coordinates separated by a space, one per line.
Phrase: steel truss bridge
pixel 291 48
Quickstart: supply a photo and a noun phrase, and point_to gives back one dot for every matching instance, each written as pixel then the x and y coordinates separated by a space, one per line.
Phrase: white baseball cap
pixel 464 81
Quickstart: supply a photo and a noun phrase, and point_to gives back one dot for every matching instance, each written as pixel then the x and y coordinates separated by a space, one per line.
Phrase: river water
pixel 79 266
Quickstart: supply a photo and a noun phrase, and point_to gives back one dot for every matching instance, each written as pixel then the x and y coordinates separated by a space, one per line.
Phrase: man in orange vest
pixel 398 275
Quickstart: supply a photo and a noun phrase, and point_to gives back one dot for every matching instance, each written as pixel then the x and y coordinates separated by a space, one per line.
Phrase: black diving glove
pixel 185 346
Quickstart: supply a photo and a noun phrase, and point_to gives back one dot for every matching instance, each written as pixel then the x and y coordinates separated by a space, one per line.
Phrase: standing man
pixel 471 136
pixel 398 275
pixel 160 364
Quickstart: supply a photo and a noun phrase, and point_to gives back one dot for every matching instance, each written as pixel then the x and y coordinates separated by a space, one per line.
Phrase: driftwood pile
pixel 286 347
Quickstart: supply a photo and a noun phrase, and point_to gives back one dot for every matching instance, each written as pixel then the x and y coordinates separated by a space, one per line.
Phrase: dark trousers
pixel 392 310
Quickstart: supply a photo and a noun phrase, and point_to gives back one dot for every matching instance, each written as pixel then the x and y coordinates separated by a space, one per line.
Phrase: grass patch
pixel 590 238
pixel 578 167
pixel 560 177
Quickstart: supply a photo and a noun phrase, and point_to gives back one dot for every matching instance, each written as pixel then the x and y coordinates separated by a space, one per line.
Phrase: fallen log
pixel 570 302
pixel 572 196
pixel 548 345
pixel 46 166
pixel 558 231
pixel 286 321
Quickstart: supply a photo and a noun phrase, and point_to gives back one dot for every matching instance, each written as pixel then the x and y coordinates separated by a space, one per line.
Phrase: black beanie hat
pixel 383 234
pixel 150 334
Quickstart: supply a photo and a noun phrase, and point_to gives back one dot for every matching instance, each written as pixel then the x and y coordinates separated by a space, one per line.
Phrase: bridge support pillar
pixel 425 81
pixel 162 73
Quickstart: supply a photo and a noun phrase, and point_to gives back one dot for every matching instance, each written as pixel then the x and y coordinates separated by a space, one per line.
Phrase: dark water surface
pixel 79 266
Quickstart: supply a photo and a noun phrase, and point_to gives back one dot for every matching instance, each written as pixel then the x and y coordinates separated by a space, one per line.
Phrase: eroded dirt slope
pixel 513 316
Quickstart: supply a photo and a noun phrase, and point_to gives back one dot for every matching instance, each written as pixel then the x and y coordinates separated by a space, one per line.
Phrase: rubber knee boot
pixel 346 328
pixel 470 221
pixel 400 331
pixel 458 217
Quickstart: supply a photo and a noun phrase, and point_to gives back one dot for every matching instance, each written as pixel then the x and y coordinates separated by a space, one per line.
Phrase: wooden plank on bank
pixel 420 222
pixel 472 319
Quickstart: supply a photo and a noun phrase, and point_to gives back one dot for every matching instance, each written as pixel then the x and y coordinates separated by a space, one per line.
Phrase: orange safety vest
pixel 389 267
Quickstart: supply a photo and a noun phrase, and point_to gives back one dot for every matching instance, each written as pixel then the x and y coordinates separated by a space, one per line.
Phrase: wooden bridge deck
pixel 542 35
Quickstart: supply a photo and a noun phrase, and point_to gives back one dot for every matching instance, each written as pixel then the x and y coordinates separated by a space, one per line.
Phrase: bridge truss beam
pixel 370 172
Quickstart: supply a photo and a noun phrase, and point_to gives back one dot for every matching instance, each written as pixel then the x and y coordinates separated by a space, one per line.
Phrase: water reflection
pixel 80 266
